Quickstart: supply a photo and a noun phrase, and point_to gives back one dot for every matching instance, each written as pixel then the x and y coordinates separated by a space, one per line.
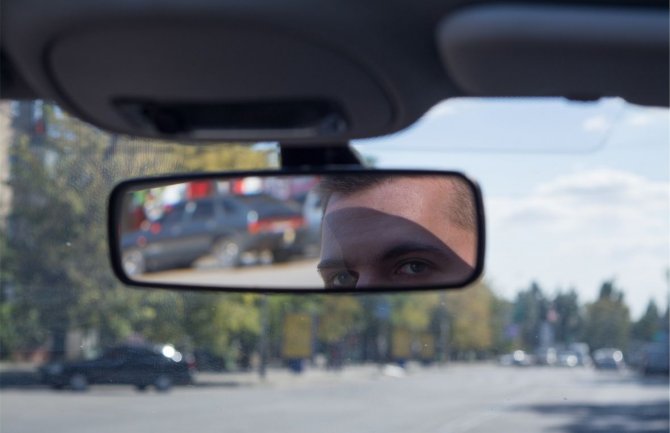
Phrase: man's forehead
pixel 408 196
pixel 364 235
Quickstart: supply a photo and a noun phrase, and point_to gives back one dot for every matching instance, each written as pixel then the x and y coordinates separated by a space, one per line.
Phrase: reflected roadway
pixel 294 274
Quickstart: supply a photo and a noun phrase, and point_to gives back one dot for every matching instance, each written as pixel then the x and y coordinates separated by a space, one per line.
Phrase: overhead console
pixel 211 80
pixel 578 51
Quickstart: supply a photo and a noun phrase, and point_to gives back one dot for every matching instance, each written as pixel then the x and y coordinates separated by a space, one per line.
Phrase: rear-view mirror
pixel 346 231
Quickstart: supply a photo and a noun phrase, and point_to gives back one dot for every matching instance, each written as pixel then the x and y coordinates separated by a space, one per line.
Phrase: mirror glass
pixel 337 231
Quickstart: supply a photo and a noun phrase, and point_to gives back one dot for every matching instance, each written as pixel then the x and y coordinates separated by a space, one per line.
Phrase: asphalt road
pixel 458 398
pixel 295 274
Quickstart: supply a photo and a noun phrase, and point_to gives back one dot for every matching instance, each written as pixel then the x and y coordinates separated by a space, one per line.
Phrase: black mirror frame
pixel 114 206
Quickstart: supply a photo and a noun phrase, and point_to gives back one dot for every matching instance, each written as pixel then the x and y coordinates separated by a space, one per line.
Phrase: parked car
pixel 568 358
pixel 608 359
pixel 581 350
pixel 229 228
pixel 141 366
pixel 546 356
pixel 517 358
pixel 656 358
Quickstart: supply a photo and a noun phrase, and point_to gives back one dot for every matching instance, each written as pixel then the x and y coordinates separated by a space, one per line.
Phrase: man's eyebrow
pixel 416 247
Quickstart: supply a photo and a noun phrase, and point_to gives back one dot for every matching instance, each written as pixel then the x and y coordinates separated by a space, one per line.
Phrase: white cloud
pixel 642 117
pixel 603 194
pixel 581 228
pixel 597 124
pixel 639 119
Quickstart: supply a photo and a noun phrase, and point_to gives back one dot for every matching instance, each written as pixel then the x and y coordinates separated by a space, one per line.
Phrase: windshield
pixel 567 331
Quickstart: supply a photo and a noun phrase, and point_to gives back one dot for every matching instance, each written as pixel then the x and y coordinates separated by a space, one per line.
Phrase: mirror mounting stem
pixel 300 156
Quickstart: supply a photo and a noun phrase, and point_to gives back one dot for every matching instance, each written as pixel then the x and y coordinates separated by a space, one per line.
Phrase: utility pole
pixel 382 313
pixel 263 343
pixel 444 328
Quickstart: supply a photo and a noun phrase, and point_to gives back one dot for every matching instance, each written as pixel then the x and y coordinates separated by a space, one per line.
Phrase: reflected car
pixel 141 366
pixel 234 230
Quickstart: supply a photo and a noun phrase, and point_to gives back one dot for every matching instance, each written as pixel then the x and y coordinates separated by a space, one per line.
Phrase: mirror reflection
pixel 336 231
pixel 381 231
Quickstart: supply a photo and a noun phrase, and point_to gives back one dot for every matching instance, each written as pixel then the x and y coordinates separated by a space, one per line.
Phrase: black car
pixel 225 226
pixel 132 365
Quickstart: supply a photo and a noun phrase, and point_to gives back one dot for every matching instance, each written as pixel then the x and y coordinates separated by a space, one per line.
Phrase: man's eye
pixel 343 279
pixel 412 268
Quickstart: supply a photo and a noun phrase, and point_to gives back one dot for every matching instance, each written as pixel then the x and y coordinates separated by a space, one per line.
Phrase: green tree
pixel 530 310
pixel 56 254
pixel 57 239
pixel 376 327
pixel 214 322
pixel 413 311
pixel 223 157
pixel 501 318
pixel 339 316
pixel 569 318
pixel 20 329
pixel 607 321
pixel 649 324
pixel 471 319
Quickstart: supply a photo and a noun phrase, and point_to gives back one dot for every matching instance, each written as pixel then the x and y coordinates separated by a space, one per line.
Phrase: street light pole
pixel 263 343
pixel 444 328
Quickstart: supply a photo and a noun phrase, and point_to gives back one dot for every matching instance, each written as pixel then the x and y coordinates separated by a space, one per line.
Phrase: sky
pixel 575 193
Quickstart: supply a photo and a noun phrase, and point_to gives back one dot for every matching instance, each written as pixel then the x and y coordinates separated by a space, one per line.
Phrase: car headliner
pixel 381 63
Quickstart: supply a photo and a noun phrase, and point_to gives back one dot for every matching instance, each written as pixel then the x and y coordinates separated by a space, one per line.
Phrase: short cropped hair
pixel 460 208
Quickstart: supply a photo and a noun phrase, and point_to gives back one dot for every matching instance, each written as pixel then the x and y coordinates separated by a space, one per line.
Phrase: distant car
pixel 568 358
pixel 517 358
pixel 656 359
pixel 140 366
pixel 608 359
pixel 229 228
pixel 582 351
pixel 546 356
